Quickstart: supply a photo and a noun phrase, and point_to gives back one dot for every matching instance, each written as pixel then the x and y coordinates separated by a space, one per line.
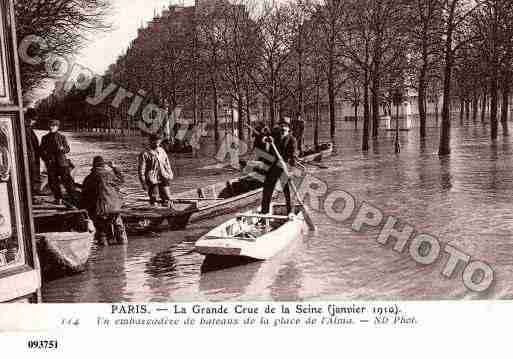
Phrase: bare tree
pixel 426 17
pixel 210 26
pixel 456 14
pixel 271 75
pixel 493 26
pixel 65 26
pixel 329 16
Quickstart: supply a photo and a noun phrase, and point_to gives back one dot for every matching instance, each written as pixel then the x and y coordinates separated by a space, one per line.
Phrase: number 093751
pixel 42 344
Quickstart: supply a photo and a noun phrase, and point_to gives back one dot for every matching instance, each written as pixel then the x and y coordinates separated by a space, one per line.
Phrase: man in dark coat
pixel 286 146
pixel 33 152
pixel 54 148
pixel 102 200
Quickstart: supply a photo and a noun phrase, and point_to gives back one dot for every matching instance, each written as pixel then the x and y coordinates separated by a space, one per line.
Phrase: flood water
pixel 464 200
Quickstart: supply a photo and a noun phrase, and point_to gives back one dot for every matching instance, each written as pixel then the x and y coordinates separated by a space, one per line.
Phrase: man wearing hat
pixel 54 148
pixel 286 146
pixel 155 171
pixel 102 200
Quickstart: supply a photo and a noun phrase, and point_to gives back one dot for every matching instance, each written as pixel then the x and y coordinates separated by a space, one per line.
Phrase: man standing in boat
pixel 102 200
pixel 286 146
pixel 155 172
pixel 54 148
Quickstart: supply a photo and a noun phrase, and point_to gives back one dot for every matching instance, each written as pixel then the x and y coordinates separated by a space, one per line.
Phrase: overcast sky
pixel 127 17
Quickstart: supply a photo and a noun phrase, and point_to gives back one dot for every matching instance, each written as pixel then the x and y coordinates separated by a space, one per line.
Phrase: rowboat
pixel 254 236
pixel 64 240
pixel 141 217
pixel 220 198
pixel 227 197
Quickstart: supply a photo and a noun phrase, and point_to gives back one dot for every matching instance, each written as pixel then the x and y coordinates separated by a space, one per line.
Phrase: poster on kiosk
pixel 19 268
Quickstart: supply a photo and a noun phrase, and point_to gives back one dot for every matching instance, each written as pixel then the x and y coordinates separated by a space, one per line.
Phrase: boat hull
pixel 141 219
pixel 62 253
pixel 219 243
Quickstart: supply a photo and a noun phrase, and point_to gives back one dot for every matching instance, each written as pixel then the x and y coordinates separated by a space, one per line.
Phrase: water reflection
pixel 287 283
pixel 229 283
pixel 445 174
pixel 162 264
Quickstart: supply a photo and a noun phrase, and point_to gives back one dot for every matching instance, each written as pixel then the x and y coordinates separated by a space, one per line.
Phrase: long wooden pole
pixel 292 186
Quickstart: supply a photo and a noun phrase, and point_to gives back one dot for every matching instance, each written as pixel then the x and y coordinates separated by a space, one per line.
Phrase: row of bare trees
pixel 300 56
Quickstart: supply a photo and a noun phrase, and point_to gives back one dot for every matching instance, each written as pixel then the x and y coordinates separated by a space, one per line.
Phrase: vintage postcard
pixel 254 163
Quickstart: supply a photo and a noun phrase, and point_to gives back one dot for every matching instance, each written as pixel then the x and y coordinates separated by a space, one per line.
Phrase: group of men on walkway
pixel 100 193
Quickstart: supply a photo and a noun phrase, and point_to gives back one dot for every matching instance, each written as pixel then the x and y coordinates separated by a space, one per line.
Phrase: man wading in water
pixel 155 172
pixel 102 200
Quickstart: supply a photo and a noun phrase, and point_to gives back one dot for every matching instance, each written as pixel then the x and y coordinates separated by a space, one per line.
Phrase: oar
pixel 306 213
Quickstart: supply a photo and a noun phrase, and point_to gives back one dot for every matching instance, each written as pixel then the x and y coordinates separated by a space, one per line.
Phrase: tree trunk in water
pixel 271 112
pixel 483 106
pixel 493 106
pixel 356 115
pixel 422 107
pixel 375 107
pixel 462 110
pixel 248 114
pixel 505 106
pixel 331 96
pixel 301 104
pixel 494 80
pixel 240 122
pixel 445 133
pixel 216 114
pixel 317 117
pixel 436 110
pixel 474 108
pixel 366 117
pixel 467 110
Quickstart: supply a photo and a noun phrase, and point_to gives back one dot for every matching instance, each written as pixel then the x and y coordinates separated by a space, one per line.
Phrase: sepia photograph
pixel 166 151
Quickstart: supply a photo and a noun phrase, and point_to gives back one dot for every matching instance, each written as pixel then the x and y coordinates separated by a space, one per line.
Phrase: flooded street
pixel 465 200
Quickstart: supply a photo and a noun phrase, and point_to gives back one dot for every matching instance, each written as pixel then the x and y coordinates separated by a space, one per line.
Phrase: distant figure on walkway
pixel 54 148
pixel 286 146
pixel 33 152
pixel 102 200
pixel 155 172
pixel 298 131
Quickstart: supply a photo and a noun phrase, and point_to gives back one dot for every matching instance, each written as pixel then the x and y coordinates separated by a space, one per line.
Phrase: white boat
pixel 253 235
